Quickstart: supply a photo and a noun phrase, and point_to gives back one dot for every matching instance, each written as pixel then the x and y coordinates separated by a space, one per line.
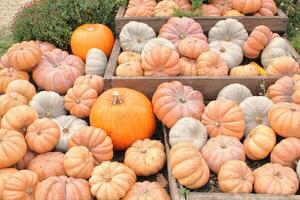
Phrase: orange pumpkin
pixel 42 135
pixel 4 61
pixel 10 100
pixel 210 10
pixel 24 55
pixel 129 56
pixel 94 81
pixel 130 69
pixel 173 101
pixel 246 6
pixel 233 13
pixel 192 47
pixel 23 163
pixel 224 117
pixel 283 66
pixel 45 46
pixel 268 8
pixel 8 75
pixel 140 8
pixel 90 36
pixel 23 87
pixel 80 99
pixel 211 64
pixel 245 70
pixel 161 61
pixel 5 174
pixel 224 5
pixel 188 67
pixel 125 115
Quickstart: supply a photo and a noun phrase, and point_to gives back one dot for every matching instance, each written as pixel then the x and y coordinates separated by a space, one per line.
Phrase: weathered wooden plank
pixel 222 196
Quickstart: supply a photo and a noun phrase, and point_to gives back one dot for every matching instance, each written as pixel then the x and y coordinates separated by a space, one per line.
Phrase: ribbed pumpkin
pixel 5 174
pixel 45 46
pixel 187 66
pixel 8 75
pixel 140 8
pixel 23 163
pixel 10 100
pixel 22 87
pixel 192 47
pixel 94 81
pixel 247 6
pixel 125 115
pixel 268 8
pixel 235 92
pixel 129 56
pixel 233 13
pixel 130 69
pixel 244 71
pixel 224 5
pixel 4 61
pixel 283 66
pixel 211 64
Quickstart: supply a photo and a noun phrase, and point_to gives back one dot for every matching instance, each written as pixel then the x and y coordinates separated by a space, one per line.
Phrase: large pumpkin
pixel 155 42
pixel 23 87
pixel 5 174
pixel 8 75
pixel 90 36
pixel 211 64
pixel 125 114
pixel 246 6
pixel 10 100
pixel 283 66
pixel 173 101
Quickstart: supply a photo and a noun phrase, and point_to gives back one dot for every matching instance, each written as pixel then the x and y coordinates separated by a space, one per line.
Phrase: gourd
pixel 283 66
pixel 5 174
pixel 23 163
pixel 244 71
pixel 157 42
pixel 128 56
pixel 165 8
pixel 45 46
pixel 96 62
pixel 211 64
pixel 145 157
pixel 130 69
pixel 10 100
pixel 140 8
pixel 224 5
pixel 8 75
pixel 187 66
pixel 268 8
pixel 210 10
pixel 235 92
pixel 23 87
pixel 247 6
pixel 192 47
pixel 94 81
pixel 194 132
pixel 173 101
pixel 135 35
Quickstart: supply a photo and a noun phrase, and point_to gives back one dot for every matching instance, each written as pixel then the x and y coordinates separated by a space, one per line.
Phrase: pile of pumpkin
pixel 166 8
pixel 182 49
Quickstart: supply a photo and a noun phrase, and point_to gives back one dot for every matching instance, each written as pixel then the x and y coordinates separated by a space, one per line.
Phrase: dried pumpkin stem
pixel 117 99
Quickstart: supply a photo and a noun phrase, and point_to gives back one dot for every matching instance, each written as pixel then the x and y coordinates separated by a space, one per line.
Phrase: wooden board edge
pixel 120 13
pixel 113 60
pixel 294 53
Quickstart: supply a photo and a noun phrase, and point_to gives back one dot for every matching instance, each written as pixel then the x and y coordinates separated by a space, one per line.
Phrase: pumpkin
pixel 165 8
pixel 24 55
pixel 277 47
pixel 88 36
pixel 161 61
pixel 257 41
pixel 231 53
pixel 224 5
pixel 94 81
pixel 255 111
pixel 297 170
pixel 128 56
pixel 235 92
pixel 145 157
pixel 80 99
pixel 139 122
pixel 177 29
pixel 48 104
pixel 268 8
pixel 260 69
pixel 283 66
pixel 247 6
pixel 23 87
pixel 235 177
pixel 140 8
pixel 284 119
pixel 187 66
pixel 96 62
pixel 233 13
pixel 220 149
pixel 147 190
pixel 130 69
pixel 20 185
pixel 19 118
pixel 210 10
pixel 76 159
pixel 155 42
pixel 244 71
pixel 106 178
pixel 4 61
pixel 8 75
pixel 42 135
pixel 96 140
pixel 57 71
pixel 275 179
pixel 56 187
pixel 23 163
pixel 134 36
pixel 260 142
pixel 192 47
pixel 5 174
pixel 229 30
pixel 47 165
pixel 188 166
pixel 194 132
pixel 211 64
pixel 10 100
pixel 173 101
pixel 45 46
pixel 286 152
pixel 183 4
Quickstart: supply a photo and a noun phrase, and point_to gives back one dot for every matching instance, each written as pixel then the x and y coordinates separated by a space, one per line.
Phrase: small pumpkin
pixel 187 66
pixel 94 81
pixel 268 8
pixel 247 6
pixel 192 47
pixel 10 100
pixel 211 64
pixel 5 174
pixel 96 62
pixel 233 13
pixel 8 75
pixel 145 157
pixel 184 4
pixel 23 87
pixel 140 8
pixel 210 10
pixel 130 69
pixel 4 61
pixel 165 8
pixel 235 92
pixel 128 56
pixel 23 163
pixel 244 71
pixel 283 66
pixel 224 5
pixel 45 46
pixel 155 42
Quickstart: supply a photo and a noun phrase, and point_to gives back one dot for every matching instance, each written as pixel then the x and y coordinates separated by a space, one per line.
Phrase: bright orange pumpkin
pixel 8 75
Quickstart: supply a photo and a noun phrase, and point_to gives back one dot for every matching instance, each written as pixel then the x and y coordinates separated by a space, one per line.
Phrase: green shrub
pixel 54 20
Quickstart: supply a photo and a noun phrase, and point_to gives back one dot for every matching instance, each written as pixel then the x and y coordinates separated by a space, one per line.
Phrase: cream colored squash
pixel 255 110
pixel 96 62
pixel 48 104
pixel 190 130
pixel 235 92
pixel 135 35
pixel 228 30
pixel 157 42
pixel 230 52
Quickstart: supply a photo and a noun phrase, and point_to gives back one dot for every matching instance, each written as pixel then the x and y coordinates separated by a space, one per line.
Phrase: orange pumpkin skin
pixel 130 69
pixel 246 70
pixel 211 64
pixel 231 13
pixel 56 188
pixel 23 163
pixel 47 165
pixel 4 61
pixel 284 119
pixel 5 174
pixel 135 117
pixel 24 55
pixel 224 117
pixel 8 75
pixel 10 100
pixel 246 6
pixel 210 10
pixel 224 5
pixel 42 135
pixel 140 8
pixel 129 56
pixel 173 101
pixel 268 8
pixel 100 34
pixel 45 46
pixel 188 67
pixel 235 177
pixel 23 87
pixel 94 81
pixel 283 66
pixel 257 41
pixel 192 47
pixel 275 179
pixel 286 152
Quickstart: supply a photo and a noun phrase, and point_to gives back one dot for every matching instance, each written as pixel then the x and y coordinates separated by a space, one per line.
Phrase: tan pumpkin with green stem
pixel 165 8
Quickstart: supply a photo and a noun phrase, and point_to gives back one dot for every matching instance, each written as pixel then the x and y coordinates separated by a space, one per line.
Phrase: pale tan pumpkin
pixel 5 174
pixel 283 66
pixel 165 8
pixel 188 67
pixel 94 81
pixel 211 64
pixel 140 8
pixel 129 56
pixel 8 75
pixel 130 69
pixel 10 100
pixel 23 87
pixel 192 47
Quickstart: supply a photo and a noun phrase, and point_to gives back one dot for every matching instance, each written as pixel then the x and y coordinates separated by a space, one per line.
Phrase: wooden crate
pixel 209 86
pixel 276 23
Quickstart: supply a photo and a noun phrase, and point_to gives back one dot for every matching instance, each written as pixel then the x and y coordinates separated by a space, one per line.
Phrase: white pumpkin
pixel 48 104
pixel 229 30
pixel 190 130
pixel 235 92
pixel 96 62
pixel 255 111
pixel 231 53
pixel 157 42
pixel 298 170
pixel 276 48
pixel 135 35
pixel 68 124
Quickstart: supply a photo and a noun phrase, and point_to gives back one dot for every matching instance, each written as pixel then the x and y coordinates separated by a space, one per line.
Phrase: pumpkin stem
pixel 117 99
pixel 77 101
pixel 258 120
pixel 227 38
pixel 277 173
pixel 48 114
pixel 182 100
pixel 29 191
pixel 222 49
pixel 65 130
pixel 293 109
pixel 218 124
pixel 181 36
pixel 107 178
pixel 223 146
